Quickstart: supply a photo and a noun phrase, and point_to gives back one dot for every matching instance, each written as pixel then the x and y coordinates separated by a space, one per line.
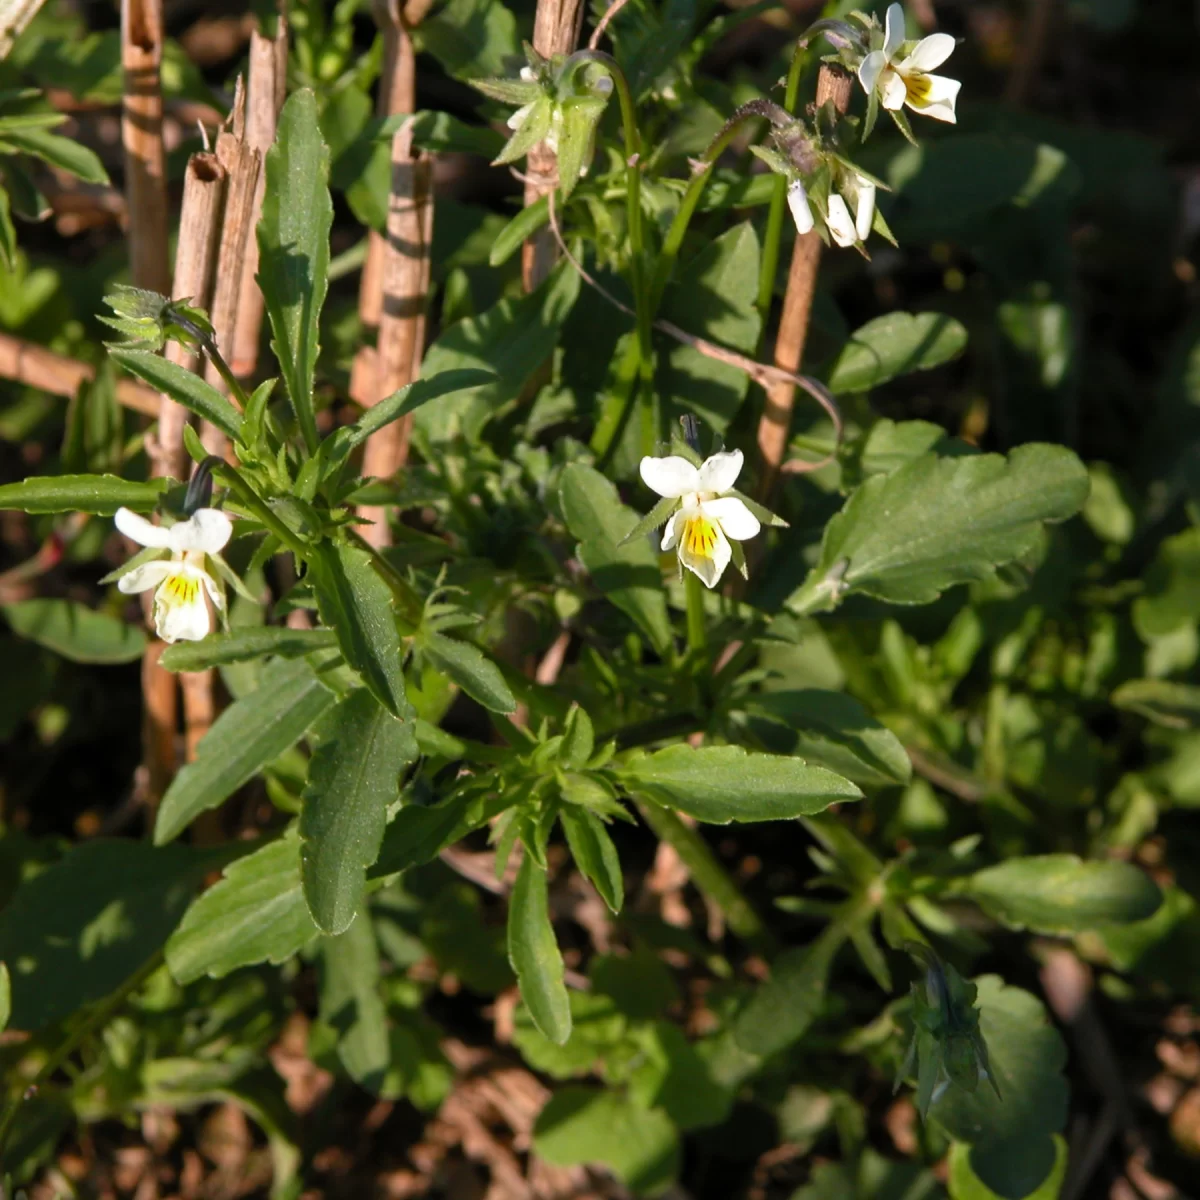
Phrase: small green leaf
pixel 293 241
pixel 628 574
pixel 965 1183
pixel 467 666
pixel 907 537
pixel 353 776
pixel 420 832
pixel 1172 596
pixel 101 495
pixel 594 853
pixel 244 738
pixel 579 738
pixel 534 954
pixel 781 1010
pixel 254 913
pixel 590 1125
pixel 351 1004
pixel 182 385
pixel 895 344
pixel 1059 893
pixel 77 930
pixel 240 645
pixel 829 729
pixel 1173 705
pixel 356 603
pixel 719 784
pixel 75 631
pixel 59 152
pixel 524 225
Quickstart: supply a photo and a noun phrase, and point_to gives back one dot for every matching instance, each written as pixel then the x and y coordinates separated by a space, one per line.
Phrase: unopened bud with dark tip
pixel 200 486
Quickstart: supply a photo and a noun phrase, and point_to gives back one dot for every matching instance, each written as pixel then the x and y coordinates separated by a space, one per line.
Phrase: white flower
pixel 909 81
pixel 798 202
pixel 180 613
pixel 843 230
pixel 701 527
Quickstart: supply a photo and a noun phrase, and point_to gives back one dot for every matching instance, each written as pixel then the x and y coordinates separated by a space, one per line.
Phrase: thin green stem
pixel 697 627
pixel 773 233
pixel 99 1015
pixel 235 388
pixel 708 875
pixel 259 509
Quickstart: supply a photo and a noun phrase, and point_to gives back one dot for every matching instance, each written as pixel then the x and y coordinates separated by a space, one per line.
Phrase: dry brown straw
pixel 268 87
pixel 775 425
pixel 141 134
pixel 402 321
pixel 242 168
pixel 35 366
pixel 556 26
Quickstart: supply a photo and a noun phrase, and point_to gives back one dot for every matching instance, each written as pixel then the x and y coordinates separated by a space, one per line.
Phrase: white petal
pixel 527 74
pixel 719 473
pixel 841 226
pixel 940 97
pixel 143 578
pixel 207 529
pixel 864 218
pixel 671 476
pixel 671 531
pixel 870 69
pixel 894 32
pixel 518 118
pixel 140 530
pixel 798 203
pixel 180 610
pixel 216 593
pixel 735 519
pixel 928 54
pixel 708 568
pixel 893 93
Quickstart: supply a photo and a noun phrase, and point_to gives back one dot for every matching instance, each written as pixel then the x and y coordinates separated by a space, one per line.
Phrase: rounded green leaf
pixel 895 344
pixel 76 631
pixel 1059 893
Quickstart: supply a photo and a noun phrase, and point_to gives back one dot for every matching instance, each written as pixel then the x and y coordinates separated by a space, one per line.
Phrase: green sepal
pixel 657 516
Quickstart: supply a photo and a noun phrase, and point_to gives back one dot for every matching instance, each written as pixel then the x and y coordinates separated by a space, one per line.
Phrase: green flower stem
pixel 773 233
pixel 708 875
pixel 96 1019
pixel 235 388
pixel 697 629
pixel 260 510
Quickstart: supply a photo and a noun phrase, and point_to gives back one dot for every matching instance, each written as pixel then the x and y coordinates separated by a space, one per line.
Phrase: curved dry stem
pixel 762 373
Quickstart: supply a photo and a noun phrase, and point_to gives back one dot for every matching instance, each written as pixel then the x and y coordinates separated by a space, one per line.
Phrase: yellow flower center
pixel 918 88
pixel 699 537
pixel 181 589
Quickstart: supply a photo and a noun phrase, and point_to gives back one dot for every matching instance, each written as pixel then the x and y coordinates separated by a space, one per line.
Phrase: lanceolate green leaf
pixel 182 385
pixel 471 669
pixel 594 853
pixel 244 738
pixel 293 241
pixel 935 522
pixel 719 784
pixel 101 495
pixel 76 631
pixel 81 927
pixel 892 345
pixel 356 603
pixel 1059 893
pixel 353 777
pixel 628 574
pixel 238 645
pixel 350 1002
pixel 534 954
pixel 254 913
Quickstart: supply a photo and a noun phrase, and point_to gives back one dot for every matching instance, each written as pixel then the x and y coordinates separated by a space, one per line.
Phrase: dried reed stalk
pixel 141 134
pixel 773 428
pixel 397 94
pixel 195 259
pixel 268 87
pixel 556 26
pixel 242 169
pixel 402 321
pixel 15 15
pixel 35 366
